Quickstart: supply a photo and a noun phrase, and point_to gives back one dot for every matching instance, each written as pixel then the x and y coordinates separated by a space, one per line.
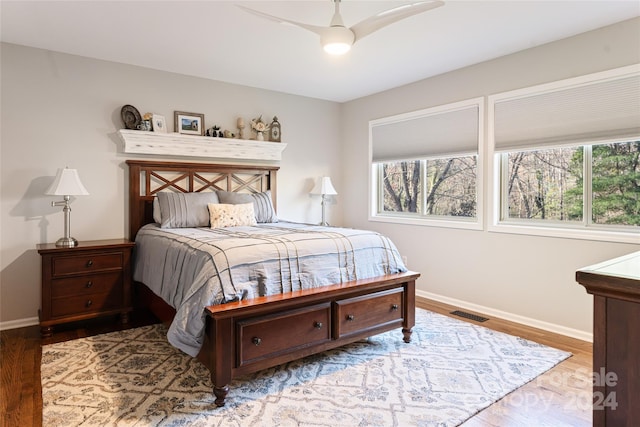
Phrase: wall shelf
pixel 175 144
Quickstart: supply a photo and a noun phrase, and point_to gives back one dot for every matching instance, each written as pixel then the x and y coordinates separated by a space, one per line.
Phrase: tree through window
pixel 551 184
pixel 448 188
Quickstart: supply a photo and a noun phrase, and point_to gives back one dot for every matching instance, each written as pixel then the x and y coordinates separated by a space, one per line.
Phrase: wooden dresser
pixel 615 285
pixel 90 280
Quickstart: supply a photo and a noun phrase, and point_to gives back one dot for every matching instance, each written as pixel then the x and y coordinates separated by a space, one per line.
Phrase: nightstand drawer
pixel 84 304
pixel 85 285
pixel 81 264
pixel 263 336
pixel 369 311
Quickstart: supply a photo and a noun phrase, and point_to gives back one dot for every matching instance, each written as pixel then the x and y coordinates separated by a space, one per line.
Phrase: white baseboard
pixel 20 323
pixel 534 323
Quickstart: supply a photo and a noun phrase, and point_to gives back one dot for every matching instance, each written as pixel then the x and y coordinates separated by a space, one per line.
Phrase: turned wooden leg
pixel 221 394
pixel 407 335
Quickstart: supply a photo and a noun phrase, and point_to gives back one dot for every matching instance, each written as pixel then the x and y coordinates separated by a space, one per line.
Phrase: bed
pixel 255 295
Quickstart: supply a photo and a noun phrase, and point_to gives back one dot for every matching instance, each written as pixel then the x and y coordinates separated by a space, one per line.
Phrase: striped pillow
pixel 263 207
pixel 179 210
pixel 262 204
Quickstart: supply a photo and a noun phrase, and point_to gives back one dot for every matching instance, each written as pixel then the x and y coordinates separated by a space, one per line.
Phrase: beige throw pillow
pixel 224 215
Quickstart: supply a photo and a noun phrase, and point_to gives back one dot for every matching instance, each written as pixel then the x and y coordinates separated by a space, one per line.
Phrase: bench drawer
pixel 362 313
pixel 262 337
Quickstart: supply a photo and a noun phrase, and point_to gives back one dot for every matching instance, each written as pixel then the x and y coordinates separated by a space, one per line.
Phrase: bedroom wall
pixel 61 110
pixel 526 278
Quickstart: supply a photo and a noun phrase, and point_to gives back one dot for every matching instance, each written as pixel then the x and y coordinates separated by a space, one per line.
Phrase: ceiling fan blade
pixel 382 19
pixel 313 28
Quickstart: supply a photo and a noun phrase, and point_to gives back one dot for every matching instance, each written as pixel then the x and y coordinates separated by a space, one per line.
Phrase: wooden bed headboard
pixel 146 178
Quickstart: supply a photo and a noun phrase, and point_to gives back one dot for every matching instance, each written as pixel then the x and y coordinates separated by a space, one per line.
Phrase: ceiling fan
pixel 337 39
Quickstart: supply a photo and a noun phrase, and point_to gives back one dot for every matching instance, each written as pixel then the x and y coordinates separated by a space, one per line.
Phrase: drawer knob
pixel 318 325
pixel 394 307
pixel 350 317
pixel 88 303
pixel 89 263
pixel 256 340
pixel 89 284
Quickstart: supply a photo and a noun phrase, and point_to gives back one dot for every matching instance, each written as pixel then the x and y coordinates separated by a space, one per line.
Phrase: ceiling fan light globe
pixel 337 48
pixel 337 40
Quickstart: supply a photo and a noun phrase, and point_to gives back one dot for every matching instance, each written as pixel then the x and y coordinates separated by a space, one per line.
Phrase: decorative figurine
pixel 214 132
pixel 241 126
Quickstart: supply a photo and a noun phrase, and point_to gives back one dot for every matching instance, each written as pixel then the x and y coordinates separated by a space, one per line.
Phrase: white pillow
pixel 225 215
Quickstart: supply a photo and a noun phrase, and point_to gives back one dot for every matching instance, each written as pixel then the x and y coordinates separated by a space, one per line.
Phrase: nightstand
pixel 90 280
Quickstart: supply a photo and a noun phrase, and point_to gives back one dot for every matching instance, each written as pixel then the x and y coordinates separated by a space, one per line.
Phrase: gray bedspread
pixel 191 268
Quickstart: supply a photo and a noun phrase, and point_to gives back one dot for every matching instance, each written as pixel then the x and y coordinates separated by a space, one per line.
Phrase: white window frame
pixel 496 200
pixel 376 191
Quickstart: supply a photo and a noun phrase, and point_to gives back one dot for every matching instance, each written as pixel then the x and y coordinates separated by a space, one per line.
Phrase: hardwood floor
pixel 20 354
pixel 560 397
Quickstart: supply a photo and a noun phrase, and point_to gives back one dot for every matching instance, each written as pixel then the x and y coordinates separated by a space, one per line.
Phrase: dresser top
pixel 615 278
pixel 627 266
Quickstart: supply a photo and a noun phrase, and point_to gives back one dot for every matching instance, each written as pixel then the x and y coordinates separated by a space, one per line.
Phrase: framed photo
pixel 158 123
pixel 189 123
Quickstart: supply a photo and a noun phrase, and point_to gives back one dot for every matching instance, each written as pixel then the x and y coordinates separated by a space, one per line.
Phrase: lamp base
pixel 67 242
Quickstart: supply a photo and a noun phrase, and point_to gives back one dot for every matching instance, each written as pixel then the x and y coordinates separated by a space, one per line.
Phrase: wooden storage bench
pixel 250 335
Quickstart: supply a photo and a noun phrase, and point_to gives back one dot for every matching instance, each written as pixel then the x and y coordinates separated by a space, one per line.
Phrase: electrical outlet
pixel 404 260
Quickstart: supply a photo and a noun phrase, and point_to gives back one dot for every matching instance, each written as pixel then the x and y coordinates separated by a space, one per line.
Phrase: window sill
pixel 568 233
pixel 431 222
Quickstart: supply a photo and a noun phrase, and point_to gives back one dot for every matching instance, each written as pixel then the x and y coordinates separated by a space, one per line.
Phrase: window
pixel 567 157
pixel 590 185
pixel 615 184
pixel 449 187
pixel 542 185
pixel 425 166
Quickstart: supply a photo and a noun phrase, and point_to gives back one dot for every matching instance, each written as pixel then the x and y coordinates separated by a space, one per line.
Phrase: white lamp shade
pixel 324 186
pixel 67 183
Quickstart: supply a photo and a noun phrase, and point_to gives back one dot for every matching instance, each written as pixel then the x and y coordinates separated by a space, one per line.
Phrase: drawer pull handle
pixel 256 340
pixel 89 284
pixel 89 263
pixel 394 307
pixel 318 325
pixel 350 317
pixel 88 303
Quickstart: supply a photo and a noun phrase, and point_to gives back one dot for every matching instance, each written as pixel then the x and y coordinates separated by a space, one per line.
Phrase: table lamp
pixel 67 184
pixel 324 188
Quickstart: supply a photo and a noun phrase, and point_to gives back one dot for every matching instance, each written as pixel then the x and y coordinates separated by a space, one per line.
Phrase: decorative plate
pixel 131 116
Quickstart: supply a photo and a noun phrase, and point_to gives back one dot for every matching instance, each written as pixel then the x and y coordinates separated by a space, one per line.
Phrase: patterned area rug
pixel 450 371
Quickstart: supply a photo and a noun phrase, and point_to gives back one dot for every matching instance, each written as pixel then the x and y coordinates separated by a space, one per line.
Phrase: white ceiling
pixel 219 41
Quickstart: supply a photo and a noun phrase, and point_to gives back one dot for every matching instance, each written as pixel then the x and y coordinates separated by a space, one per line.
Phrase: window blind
pixel 428 133
pixel 604 110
